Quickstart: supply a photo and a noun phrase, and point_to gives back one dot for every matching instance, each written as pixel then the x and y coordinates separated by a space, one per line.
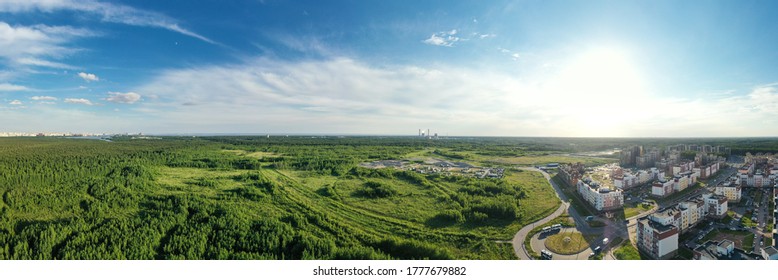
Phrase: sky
pixel 481 68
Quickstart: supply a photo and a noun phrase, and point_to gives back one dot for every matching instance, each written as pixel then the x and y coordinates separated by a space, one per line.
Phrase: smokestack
pixel 428 132
pixel 419 132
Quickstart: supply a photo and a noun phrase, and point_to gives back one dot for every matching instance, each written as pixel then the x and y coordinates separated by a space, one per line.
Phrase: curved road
pixel 610 230
pixel 518 239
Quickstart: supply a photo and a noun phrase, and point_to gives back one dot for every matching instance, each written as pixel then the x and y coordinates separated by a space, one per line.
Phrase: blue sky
pixel 493 68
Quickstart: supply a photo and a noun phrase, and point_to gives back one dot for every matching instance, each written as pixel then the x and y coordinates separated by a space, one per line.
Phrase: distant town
pixel 62 134
pixel 707 203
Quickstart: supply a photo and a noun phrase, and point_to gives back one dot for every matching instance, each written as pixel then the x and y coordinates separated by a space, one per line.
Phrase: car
pixel 597 249
pixel 605 241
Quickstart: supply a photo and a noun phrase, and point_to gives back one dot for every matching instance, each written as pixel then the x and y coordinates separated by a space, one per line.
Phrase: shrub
pixel 374 189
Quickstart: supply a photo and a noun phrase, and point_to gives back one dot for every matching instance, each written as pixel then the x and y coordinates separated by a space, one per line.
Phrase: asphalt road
pixel 518 239
pixel 610 230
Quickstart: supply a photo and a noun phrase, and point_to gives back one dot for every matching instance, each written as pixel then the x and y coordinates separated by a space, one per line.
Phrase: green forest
pixel 260 198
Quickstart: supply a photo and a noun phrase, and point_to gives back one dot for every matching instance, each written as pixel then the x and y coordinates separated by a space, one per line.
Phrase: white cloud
pixel 12 87
pixel 450 38
pixel 38 45
pixel 81 101
pixel 88 77
pixel 338 94
pixel 43 98
pixel 108 12
pixel 514 55
pixel 123 98
pixel 16 102
pixel 348 96
pixel 43 63
pixel 444 38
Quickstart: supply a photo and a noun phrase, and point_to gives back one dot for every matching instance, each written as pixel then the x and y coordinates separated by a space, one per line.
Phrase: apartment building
pixel 655 232
pixel 660 241
pixel 717 205
pixel 730 190
pixel 601 198
pixel 571 173
pixel 662 187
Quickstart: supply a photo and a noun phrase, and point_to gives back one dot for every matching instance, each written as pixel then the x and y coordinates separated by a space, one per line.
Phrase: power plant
pixel 427 134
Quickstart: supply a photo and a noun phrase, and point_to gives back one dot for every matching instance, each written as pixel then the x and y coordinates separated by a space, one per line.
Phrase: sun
pixel 603 85
pixel 605 72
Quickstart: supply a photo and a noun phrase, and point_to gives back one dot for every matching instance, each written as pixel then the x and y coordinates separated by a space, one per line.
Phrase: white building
pixel 769 253
pixel 716 205
pixel 645 176
pixel 625 181
pixel 731 191
pixel 601 198
pixel 655 173
pixel 662 187
pixel 692 212
pixel 682 167
pixel 657 240
pixel 680 183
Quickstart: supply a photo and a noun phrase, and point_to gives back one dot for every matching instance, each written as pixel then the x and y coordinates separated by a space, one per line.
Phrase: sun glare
pixel 599 82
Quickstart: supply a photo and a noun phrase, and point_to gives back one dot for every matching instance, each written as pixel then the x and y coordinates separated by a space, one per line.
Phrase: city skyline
pixel 509 68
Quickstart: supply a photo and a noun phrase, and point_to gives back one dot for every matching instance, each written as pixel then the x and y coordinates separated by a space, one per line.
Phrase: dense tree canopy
pixel 212 198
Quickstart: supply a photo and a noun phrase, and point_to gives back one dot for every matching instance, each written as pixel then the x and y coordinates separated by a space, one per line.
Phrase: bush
pixel 374 189
pixel 627 252
pixel 448 217
pixel 329 191
pixel 503 207
pixel 412 249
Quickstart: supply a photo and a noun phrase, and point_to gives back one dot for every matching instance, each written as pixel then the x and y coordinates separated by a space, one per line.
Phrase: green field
pixel 256 198
pixel 633 209
pixel 566 243
pixel 627 251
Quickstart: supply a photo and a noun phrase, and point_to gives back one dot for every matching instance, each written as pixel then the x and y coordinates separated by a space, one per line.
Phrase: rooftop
pixel 726 243
pixel 771 250
pixel 656 226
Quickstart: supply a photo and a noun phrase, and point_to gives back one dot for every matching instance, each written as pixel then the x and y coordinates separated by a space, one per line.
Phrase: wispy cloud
pixel 43 98
pixel 346 95
pixel 81 101
pixel 513 55
pixel 451 37
pixel 443 39
pixel 15 102
pixel 12 87
pixel 107 12
pixel 88 77
pixel 38 45
pixel 123 98
pixel 336 94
